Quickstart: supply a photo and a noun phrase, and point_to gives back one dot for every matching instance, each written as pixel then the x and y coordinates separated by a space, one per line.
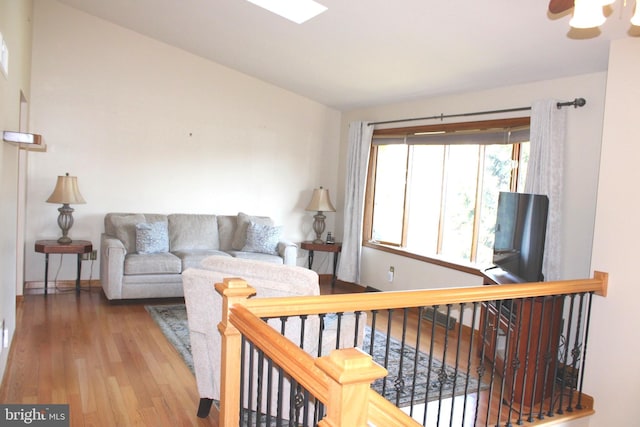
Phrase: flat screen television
pixel 520 232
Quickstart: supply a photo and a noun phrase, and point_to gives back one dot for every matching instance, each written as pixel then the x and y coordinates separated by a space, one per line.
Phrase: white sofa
pixel 144 255
pixel 204 306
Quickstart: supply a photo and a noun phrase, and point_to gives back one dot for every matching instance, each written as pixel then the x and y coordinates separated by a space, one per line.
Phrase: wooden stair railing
pixel 340 380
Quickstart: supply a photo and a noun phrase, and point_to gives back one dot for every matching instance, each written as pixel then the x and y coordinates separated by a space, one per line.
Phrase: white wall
pixel 15 26
pixel 147 127
pixel 613 345
pixel 581 172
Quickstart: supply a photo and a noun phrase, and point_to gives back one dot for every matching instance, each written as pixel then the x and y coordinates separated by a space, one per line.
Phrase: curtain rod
pixel 578 102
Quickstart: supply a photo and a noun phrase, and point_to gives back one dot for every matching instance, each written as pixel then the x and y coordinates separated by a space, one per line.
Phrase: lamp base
pixel 318 241
pixel 64 240
pixel 318 227
pixel 65 222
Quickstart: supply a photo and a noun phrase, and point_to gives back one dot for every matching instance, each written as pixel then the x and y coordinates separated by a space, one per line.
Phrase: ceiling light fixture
pixel 298 11
pixel 635 19
pixel 589 13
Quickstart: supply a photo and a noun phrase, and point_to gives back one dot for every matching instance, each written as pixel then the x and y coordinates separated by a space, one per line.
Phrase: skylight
pixel 298 11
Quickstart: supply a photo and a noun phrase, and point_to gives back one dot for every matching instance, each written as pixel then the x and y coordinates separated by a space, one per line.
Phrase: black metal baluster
pixel 416 358
pixel 296 391
pixel 455 375
pixel 575 353
pixel 442 375
pixel 294 387
pixel 318 412
pixel 250 397
pixel 457 362
pixel 474 313
pixel 259 391
pixel 527 360
pixel 357 315
pixel 584 351
pixel 398 382
pixel 481 367
pixel 386 349
pixel 536 369
pixel 303 325
pixel 338 329
pixel 305 403
pixel 430 364
pixel 513 360
pixel 505 360
pixel 374 316
pixel 566 352
pixel 280 397
pixel 320 334
pixel 267 391
pixel 548 358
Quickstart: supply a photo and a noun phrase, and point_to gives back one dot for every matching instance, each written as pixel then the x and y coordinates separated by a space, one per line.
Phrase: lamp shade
pixel 66 191
pixel 320 201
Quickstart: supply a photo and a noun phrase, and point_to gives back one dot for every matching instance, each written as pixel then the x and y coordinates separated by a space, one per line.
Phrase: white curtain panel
pixel 544 175
pixel 360 134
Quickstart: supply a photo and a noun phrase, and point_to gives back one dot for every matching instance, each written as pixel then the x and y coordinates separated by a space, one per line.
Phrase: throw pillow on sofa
pixel 240 235
pixel 262 238
pixel 152 238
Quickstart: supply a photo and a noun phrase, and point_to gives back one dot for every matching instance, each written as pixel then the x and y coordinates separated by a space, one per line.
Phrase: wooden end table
pixel 335 248
pixel 47 247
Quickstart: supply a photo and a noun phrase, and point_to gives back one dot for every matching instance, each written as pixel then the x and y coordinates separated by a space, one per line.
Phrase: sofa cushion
pixel 125 229
pixel 227 225
pixel 162 263
pixel 240 235
pixel 193 231
pixel 152 238
pixel 262 238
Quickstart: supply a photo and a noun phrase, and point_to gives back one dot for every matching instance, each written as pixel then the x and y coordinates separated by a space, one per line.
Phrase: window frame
pixel 402 132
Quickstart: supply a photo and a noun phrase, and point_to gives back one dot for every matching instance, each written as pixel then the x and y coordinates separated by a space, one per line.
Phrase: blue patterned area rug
pixel 411 371
pixel 172 320
pixel 400 388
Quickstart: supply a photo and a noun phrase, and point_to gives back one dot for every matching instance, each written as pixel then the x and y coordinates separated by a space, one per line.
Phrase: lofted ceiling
pixel 367 52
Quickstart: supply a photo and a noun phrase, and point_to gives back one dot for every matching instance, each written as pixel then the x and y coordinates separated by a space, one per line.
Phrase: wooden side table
pixel 335 248
pixel 47 247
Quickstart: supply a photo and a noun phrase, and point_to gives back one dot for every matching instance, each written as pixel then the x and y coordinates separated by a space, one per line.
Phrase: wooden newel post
pixel 233 290
pixel 350 373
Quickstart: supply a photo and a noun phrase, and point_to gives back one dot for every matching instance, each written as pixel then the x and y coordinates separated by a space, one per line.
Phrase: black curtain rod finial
pixel 578 102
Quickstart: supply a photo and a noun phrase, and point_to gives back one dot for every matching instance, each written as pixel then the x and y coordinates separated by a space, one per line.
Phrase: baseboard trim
pixel 62 284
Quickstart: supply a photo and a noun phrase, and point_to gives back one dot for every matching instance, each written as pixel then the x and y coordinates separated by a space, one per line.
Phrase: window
pixel 433 190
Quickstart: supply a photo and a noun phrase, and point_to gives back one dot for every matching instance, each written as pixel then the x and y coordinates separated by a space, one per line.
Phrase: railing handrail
pixel 245 317
pixel 303 368
pixel 295 306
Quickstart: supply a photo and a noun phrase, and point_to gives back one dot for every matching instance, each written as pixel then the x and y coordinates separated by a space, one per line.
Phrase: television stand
pixel 521 334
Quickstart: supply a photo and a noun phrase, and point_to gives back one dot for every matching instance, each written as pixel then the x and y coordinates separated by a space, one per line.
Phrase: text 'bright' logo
pixel 39 415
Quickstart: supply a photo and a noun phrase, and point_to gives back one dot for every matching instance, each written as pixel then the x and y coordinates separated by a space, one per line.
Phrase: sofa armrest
pixel 112 253
pixel 288 251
